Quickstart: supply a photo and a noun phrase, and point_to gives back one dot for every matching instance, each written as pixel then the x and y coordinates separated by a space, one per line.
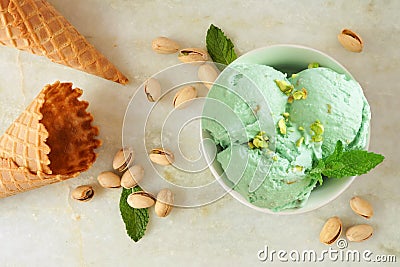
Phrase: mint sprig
pixel 343 163
pixel 219 47
pixel 135 220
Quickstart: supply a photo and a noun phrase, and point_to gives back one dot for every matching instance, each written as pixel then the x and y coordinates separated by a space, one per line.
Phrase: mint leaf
pixel 220 47
pixel 336 154
pixel 317 176
pixel 350 163
pixel 135 220
pixel 319 168
pixel 346 163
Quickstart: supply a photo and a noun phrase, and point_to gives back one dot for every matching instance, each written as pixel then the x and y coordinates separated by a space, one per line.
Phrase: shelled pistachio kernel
pixel 109 180
pixel 83 193
pixel 132 176
pixel 164 45
pixel 140 200
pixel 161 156
pixel 183 96
pixel 331 231
pixel 164 202
pixel 123 159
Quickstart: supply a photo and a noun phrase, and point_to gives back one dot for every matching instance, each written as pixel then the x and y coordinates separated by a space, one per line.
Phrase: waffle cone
pixel 37 27
pixel 52 140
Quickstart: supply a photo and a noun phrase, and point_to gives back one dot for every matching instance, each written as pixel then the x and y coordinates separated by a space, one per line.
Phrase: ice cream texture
pixel 303 116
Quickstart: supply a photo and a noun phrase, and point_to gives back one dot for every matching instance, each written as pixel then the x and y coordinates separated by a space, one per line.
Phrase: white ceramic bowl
pixel 290 59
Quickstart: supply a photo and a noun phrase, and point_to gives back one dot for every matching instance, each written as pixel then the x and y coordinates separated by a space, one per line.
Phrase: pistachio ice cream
pixel 271 129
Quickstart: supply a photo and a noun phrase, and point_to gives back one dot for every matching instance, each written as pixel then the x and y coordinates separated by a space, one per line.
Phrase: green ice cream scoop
pixel 307 113
pixel 336 102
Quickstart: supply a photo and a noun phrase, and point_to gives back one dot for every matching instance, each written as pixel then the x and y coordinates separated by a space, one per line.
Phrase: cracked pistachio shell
pixel 359 233
pixel 164 45
pixel 207 75
pixel 184 95
pixel 152 89
pixel 123 159
pixel 132 176
pixel 331 231
pixel 361 207
pixel 83 193
pixel 140 200
pixel 109 180
pixel 351 40
pixel 161 156
pixel 193 55
pixel 164 203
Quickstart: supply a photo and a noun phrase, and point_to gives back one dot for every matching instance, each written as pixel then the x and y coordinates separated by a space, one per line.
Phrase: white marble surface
pixel 45 227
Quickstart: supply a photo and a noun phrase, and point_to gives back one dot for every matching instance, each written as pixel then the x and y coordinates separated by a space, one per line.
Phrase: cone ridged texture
pixel 52 140
pixel 37 27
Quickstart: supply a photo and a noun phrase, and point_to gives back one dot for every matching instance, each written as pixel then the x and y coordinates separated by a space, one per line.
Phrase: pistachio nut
pixel 123 159
pixel 83 193
pixel 207 74
pixel 132 176
pixel 140 200
pixel 360 232
pixel 109 180
pixel 164 202
pixel 361 207
pixel 193 55
pixel 164 45
pixel 331 231
pixel 184 95
pixel 152 89
pixel 161 156
pixel 351 40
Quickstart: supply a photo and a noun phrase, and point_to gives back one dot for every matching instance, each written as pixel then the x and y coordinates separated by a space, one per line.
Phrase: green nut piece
pixel 313 65
pixel 282 126
pixel 300 141
pixel 259 141
pixel 284 86
pixel 317 128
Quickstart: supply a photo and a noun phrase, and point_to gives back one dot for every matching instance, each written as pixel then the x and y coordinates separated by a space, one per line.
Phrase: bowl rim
pixel 236 195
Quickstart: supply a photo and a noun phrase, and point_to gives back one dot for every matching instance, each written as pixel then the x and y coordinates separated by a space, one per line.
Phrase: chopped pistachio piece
pixel 251 145
pixel 282 126
pixel 294 75
pixel 290 99
pixel 298 168
pixel 317 138
pixel 301 128
pixel 305 93
pixel 275 158
pixel 318 130
pixel 313 65
pixel 286 114
pixel 259 141
pixel 329 108
pixel 300 141
pixel 300 94
pixel 284 86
